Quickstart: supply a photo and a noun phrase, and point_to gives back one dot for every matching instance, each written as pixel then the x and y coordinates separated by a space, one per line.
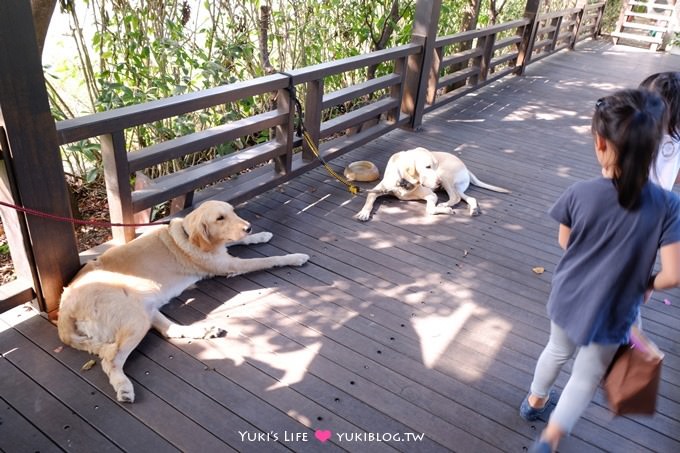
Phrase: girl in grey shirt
pixel 610 231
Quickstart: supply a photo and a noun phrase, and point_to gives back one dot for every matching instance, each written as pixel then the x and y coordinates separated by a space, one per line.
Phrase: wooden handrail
pixel 474 34
pixel 94 125
pixel 495 56
pixel 324 70
pixel 421 80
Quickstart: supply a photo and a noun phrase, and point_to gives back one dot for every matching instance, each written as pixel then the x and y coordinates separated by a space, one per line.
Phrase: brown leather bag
pixel 632 381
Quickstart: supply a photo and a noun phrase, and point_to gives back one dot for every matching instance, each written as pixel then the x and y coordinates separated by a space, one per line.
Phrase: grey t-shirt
pixel 600 281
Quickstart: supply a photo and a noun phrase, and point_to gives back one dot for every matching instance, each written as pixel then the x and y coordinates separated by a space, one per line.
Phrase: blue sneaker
pixel 540 446
pixel 530 414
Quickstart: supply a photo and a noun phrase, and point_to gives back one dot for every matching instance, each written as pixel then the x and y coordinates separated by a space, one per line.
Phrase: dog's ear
pixel 197 229
pixel 409 171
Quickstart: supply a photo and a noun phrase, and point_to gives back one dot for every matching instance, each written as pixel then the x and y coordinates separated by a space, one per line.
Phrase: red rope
pixel 96 223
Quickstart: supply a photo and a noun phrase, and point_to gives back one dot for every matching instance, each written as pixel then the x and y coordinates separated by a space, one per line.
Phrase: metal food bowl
pixel 362 170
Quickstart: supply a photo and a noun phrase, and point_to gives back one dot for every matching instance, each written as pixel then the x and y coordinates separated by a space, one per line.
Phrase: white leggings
pixel 590 365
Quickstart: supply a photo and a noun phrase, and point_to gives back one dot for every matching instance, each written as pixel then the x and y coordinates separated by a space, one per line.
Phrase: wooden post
pixel 118 189
pixel 625 7
pixel 579 21
pixel 433 79
pixel 284 132
pixel 421 73
pixel 555 35
pixel 598 21
pixel 313 106
pixel 487 54
pixel 397 91
pixel 15 229
pixel 33 152
pixel 528 36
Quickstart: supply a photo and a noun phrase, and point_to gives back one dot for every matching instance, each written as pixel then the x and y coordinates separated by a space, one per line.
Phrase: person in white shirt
pixel 664 170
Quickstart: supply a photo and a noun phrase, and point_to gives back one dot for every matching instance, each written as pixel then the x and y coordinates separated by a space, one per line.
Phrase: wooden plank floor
pixel 402 327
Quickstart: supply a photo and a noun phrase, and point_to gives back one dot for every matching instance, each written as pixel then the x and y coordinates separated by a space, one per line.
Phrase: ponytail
pixel 667 85
pixel 632 121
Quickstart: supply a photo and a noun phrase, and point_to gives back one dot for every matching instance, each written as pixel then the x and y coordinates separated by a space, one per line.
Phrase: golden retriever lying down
pixel 114 301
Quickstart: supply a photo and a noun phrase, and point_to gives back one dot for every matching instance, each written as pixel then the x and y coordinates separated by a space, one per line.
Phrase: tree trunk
pixel 385 35
pixel 470 17
pixel 263 38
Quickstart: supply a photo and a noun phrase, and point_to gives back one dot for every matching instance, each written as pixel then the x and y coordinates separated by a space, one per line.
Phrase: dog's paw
pixel 214 332
pixel 362 216
pixel 441 210
pixel 259 238
pixel 297 259
pixel 475 212
pixel 125 393
pixel 125 396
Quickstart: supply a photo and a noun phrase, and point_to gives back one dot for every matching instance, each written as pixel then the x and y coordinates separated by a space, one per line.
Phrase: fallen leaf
pixel 666 301
pixel 89 364
pixel 57 350
pixel 538 270
pixel 465 253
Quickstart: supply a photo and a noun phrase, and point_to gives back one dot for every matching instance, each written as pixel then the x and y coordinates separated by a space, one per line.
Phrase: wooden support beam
pixel 422 69
pixel 118 188
pixel 526 47
pixel 33 153
pixel 284 132
pixel 313 113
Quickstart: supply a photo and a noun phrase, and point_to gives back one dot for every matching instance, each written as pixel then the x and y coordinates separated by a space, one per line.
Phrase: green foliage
pixel 611 15
pixel 131 52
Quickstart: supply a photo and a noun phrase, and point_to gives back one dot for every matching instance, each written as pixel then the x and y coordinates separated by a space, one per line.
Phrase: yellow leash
pixel 302 130
pixel 354 190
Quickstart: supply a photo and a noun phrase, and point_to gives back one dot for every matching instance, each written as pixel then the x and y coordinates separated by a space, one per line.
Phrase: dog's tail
pixel 476 181
pixel 68 333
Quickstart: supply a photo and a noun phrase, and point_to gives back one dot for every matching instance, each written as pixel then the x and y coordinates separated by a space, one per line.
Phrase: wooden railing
pixel 647 23
pixel 563 29
pixel 491 53
pixel 271 162
pixel 415 79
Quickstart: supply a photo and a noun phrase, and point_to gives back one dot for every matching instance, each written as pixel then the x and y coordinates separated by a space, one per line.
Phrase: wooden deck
pixel 400 327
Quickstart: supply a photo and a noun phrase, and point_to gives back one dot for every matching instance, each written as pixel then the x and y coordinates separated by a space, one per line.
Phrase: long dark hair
pixel 633 121
pixel 667 85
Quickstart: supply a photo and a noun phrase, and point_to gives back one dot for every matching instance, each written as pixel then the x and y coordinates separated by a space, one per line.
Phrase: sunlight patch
pixel 314 204
pixel 585 129
pixel 293 364
pixel 303 419
pixel 564 172
pixel 17 315
pixel 437 332
pixel 382 245
pixel 488 335
pixel 518 115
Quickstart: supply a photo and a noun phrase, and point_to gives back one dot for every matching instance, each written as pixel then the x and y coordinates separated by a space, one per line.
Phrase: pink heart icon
pixel 323 435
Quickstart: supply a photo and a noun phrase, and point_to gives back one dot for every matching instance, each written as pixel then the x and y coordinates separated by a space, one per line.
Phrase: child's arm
pixel 669 276
pixel 563 236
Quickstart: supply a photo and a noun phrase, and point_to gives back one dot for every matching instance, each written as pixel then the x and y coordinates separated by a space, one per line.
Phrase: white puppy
pixel 114 301
pixel 415 175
